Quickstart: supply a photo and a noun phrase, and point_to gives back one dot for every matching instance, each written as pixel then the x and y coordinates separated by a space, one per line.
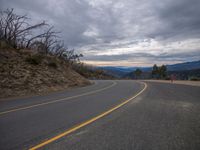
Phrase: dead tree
pixel 17 32
pixel 49 40
pixel 58 49
pixel 15 29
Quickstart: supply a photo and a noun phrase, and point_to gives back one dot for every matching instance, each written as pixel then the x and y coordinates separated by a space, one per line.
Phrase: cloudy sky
pixel 122 32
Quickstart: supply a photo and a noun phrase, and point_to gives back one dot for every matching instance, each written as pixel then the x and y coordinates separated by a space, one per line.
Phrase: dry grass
pixel 23 73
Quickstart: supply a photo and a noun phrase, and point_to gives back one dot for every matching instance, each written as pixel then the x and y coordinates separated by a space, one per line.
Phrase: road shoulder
pixel 191 83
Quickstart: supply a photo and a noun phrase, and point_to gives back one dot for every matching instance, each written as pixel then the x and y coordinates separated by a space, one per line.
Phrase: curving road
pixel 162 116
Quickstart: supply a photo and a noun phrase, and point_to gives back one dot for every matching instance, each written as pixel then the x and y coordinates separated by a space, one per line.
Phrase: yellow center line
pixel 87 122
pixel 58 100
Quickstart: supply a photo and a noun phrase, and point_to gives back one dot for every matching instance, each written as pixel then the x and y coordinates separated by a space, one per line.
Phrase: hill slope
pixel 184 66
pixel 25 73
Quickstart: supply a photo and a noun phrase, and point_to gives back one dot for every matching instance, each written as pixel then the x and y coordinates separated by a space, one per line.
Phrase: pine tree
pixel 155 71
pixel 137 73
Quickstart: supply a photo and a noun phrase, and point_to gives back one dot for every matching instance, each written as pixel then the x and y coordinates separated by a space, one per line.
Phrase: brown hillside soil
pixel 24 73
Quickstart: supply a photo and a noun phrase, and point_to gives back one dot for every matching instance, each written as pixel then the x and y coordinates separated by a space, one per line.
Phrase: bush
pixel 194 79
pixel 167 78
pixel 52 64
pixel 34 59
pixel 4 45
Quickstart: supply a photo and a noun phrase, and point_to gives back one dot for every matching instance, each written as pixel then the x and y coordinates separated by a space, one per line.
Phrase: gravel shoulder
pixel 192 83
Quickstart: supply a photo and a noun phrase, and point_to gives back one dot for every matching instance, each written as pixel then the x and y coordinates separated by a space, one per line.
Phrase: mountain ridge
pixel 120 71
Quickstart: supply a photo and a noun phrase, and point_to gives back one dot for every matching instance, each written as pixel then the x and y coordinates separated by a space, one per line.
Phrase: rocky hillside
pixel 23 72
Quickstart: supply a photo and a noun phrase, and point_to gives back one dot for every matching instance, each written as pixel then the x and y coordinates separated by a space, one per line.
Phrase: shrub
pixel 194 79
pixel 52 64
pixel 167 78
pixel 4 45
pixel 34 59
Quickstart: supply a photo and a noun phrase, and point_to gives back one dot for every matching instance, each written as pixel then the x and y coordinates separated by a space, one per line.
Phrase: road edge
pixel 57 100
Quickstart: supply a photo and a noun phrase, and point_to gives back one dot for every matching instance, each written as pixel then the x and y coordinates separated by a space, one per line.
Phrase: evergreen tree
pixel 163 71
pixel 159 72
pixel 155 71
pixel 137 73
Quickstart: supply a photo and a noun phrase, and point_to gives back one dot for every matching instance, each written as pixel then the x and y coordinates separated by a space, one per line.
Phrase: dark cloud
pixel 178 20
pixel 154 29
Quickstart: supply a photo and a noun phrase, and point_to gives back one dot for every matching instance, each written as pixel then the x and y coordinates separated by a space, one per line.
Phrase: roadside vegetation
pixel 138 73
pixel 159 72
pixel 91 72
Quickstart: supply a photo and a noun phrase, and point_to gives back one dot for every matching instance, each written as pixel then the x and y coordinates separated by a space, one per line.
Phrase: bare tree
pixel 71 56
pixel 18 33
pixel 49 40
pixel 59 49
pixel 15 29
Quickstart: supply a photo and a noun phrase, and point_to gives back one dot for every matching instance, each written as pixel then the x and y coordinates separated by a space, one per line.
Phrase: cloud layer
pixel 122 32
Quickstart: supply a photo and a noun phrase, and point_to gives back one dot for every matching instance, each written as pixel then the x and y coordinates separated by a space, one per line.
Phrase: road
pixel 108 115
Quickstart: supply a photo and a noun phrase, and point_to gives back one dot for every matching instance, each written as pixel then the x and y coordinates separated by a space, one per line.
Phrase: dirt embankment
pixel 25 73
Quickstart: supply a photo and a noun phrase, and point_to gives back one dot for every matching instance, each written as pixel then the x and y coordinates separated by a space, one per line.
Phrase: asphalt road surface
pixel 155 116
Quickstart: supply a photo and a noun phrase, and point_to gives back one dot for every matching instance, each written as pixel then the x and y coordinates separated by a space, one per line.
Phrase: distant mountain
pixel 117 71
pixel 119 68
pixel 131 75
pixel 184 66
pixel 178 67
pixel 120 71
pixel 186 74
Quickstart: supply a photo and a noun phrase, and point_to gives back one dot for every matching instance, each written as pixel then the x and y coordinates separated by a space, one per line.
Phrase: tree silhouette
pixel 163 71
pixel 137 73
pixel 155 71
pixel 159 72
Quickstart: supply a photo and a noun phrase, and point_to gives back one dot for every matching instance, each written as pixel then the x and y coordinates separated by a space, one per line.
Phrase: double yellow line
pixel 87 122
pixel 58 100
